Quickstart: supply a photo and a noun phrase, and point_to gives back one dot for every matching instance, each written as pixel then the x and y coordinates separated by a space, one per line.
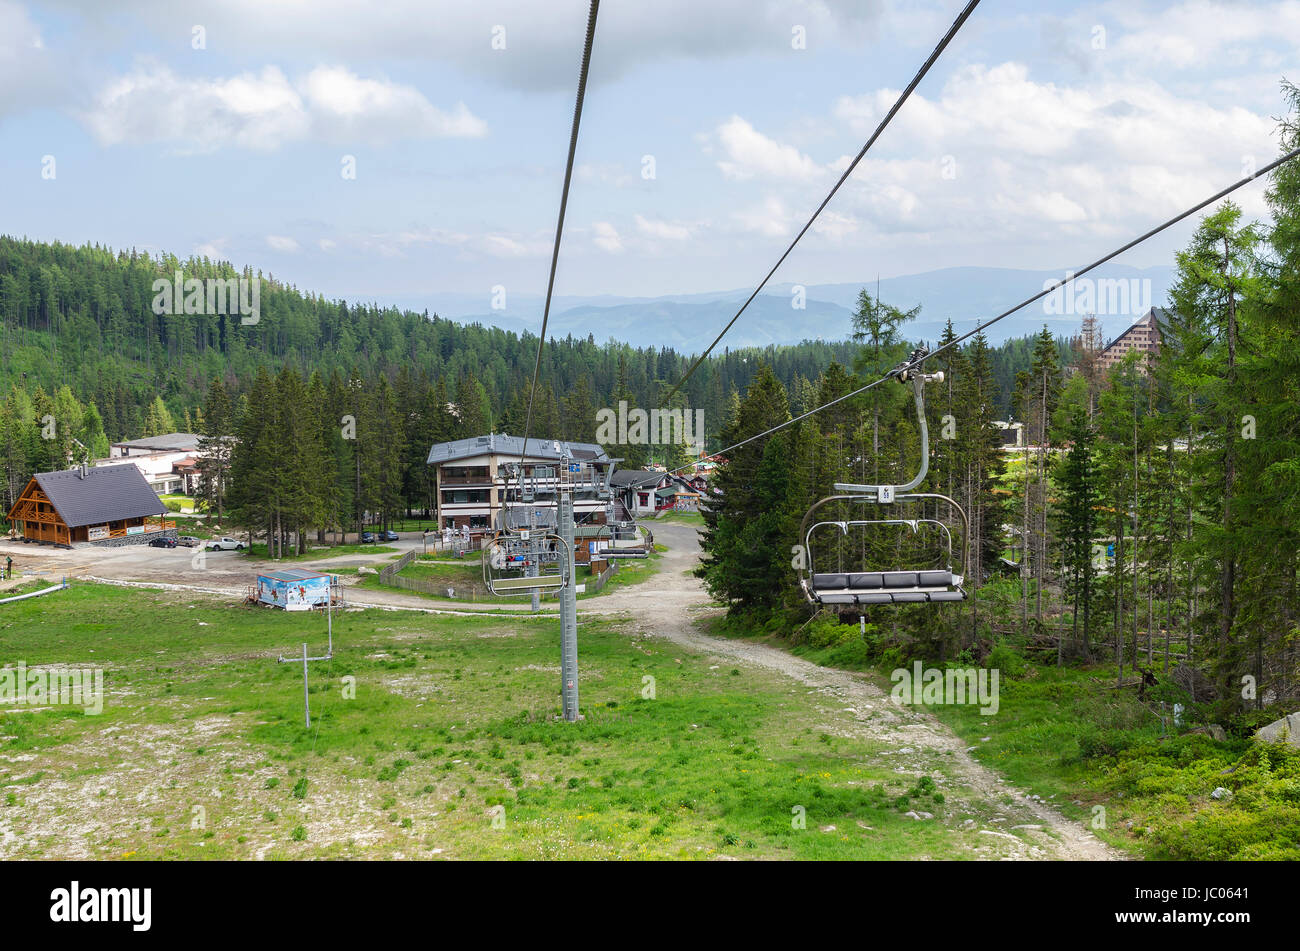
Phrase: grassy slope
pixel 452 716
pixel 1065 736
pixel 462 573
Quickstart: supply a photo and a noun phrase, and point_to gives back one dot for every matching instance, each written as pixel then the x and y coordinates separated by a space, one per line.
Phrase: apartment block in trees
pixel 1143 336
pixel 473 485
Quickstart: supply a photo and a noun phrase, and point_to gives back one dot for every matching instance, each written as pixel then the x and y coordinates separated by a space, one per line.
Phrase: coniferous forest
pixel 1156 529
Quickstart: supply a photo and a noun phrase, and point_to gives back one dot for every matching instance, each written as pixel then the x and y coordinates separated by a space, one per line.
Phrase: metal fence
pixel 388 575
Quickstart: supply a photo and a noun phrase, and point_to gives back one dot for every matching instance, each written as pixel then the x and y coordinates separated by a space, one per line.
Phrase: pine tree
pixel 215 449
pixel 1075 511
pixel 744 535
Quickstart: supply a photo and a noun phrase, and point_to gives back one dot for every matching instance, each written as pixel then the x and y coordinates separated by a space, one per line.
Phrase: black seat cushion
pixel 830 582
pixel 935 579
pixel 899 579
pixel 867 579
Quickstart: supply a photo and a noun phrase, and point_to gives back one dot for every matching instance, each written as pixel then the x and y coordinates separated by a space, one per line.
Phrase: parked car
pixel 225 544
pixel 189 541
pixel 389 536
pixel 367 538
pixel 162 541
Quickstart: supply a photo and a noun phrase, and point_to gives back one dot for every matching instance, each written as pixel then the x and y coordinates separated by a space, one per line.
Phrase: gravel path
pixel 670 605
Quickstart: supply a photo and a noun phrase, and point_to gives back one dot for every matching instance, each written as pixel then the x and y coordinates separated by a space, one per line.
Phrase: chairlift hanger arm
pixel 906 372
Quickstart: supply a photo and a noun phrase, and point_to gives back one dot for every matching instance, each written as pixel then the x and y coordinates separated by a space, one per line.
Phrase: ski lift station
pixel 294 589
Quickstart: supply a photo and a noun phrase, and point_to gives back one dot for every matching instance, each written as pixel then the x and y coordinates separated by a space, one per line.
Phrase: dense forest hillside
pixel 1159 529
pixel 82 318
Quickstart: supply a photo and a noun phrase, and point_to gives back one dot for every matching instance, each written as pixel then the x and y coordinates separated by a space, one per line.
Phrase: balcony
pixel 478 481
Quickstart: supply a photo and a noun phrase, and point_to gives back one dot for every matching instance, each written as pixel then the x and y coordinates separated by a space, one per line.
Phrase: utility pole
pixel 306 700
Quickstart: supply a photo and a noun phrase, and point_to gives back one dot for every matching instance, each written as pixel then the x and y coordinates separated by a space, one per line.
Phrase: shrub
pixel 1005 659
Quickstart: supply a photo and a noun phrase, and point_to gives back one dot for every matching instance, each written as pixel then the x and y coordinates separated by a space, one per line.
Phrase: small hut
pixel 109 505
pixel 294 589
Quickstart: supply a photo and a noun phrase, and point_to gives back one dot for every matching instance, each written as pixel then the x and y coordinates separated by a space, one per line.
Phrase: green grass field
pixel 465 574
pixel 201 751
pixel 1103 758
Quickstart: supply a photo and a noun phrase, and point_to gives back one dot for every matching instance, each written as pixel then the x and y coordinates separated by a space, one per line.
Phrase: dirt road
pixel 669 604
pixel 672 602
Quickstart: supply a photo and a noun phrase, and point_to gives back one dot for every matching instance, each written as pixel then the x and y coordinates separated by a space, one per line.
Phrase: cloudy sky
pixel 227 128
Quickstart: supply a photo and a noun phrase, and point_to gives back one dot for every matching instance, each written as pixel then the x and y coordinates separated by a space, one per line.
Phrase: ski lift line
pixel 1074 275
pixel 559 224
pixel 898 104
pixel 871 585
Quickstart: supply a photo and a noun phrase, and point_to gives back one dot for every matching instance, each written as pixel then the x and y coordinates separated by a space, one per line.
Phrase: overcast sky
pixel 1040 139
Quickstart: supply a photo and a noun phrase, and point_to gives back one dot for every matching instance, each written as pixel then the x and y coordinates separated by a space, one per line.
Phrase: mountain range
pixel 689 322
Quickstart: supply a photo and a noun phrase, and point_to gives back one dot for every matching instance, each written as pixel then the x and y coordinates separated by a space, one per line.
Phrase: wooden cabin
pixel 88 505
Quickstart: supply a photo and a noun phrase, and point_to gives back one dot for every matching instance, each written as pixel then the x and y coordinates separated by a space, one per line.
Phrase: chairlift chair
pixel 870 585
pixel 640 548
pixel 507 554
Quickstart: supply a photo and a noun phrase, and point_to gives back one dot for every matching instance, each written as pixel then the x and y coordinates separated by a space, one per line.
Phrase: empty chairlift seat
pixel 887 587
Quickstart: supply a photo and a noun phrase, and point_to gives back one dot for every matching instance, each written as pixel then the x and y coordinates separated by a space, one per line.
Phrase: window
pixel 464 496
pixel 466 473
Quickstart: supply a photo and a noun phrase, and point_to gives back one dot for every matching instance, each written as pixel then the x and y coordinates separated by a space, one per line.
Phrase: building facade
pixel 112 505
pixel 474 481
pixel 1143 336
pixel 167 462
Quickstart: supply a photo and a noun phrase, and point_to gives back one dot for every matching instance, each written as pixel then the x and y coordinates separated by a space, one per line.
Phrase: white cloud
pixel 543 40
pixel 278 242
pixel 28 76
pixel 662 230
pixel 493 244
pixel 998 148
pixel 770 220
pixel 835 225
pixel 214 249
pixel 345 106
pixel 606 237
pixel 264 111
pixel 1197 33
pixel 750 154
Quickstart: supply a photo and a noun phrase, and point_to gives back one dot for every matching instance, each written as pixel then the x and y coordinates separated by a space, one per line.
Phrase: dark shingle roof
pixel 106 494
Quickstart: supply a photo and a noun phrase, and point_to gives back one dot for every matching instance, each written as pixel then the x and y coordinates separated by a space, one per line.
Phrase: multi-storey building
pixel 1143 336
pixel 474 477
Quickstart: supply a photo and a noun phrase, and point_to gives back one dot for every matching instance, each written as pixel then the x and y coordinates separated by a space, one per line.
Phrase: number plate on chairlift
pixel 886 494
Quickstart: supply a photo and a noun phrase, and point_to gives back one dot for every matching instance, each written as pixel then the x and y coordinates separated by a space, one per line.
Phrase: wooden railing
pixel 388 574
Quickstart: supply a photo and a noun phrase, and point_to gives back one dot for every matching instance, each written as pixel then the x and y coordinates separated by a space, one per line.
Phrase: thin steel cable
pixel 559 224
pixel 1072 276
pixel 898 104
